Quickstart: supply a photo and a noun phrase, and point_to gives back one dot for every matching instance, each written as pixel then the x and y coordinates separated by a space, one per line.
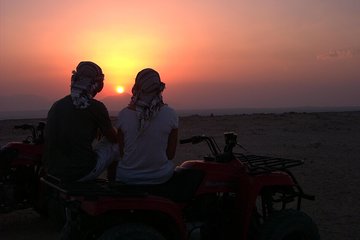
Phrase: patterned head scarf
pixel 147 95
pixel 86 82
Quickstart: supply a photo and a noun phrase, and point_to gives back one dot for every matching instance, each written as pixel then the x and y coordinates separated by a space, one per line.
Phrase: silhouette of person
pixel 147 133
pixel 73 123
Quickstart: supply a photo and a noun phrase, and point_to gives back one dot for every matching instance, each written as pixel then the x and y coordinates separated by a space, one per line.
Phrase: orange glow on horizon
pixel 200 50
pixel 121 56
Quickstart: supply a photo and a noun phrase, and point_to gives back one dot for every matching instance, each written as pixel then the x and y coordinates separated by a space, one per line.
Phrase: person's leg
pixel 111 171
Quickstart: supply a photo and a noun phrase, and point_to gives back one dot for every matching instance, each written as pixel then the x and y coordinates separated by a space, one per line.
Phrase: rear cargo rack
pixel 263 164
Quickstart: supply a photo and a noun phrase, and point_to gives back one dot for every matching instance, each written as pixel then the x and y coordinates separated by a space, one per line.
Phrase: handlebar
pixel 193 140
pixel 218 155
pixel 37 133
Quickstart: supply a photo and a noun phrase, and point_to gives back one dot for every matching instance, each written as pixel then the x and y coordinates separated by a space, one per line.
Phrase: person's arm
pixel 111 171
pixel 103 120
pixel 120 137
pixel 172 144
pixel 110 134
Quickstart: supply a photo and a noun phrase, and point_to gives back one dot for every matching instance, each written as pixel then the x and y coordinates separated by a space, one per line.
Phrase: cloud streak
pixel 339 54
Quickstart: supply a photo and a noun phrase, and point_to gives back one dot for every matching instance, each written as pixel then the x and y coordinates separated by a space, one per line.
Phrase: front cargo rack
pixel 263 164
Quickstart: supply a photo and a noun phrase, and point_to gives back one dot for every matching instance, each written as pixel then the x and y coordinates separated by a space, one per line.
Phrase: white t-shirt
pixel 145 160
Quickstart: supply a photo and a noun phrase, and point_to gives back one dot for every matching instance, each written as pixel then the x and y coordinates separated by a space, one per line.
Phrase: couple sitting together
pixel 139 148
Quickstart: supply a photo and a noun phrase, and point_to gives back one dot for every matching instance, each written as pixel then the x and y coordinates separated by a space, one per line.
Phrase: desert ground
pixel 328 142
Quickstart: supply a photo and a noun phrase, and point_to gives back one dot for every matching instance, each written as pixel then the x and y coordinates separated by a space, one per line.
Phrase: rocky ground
pixel 329 144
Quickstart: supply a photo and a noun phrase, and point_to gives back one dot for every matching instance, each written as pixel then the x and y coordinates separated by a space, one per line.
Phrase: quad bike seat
pixel 180 188
pixel 89 189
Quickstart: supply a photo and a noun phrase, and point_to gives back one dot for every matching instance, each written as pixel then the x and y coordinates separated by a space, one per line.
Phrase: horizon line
pixel 182 112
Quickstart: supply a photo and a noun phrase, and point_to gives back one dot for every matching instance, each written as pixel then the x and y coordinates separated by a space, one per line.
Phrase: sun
pixel 120 89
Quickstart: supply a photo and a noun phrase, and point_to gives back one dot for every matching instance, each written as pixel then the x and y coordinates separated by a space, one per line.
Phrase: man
pixel 73 123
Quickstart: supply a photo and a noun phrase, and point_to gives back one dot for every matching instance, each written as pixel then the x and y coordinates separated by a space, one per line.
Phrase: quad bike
pixel 226 195
pixel 21 169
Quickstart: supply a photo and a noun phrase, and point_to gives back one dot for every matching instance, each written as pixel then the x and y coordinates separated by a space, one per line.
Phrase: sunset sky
pixel 210 53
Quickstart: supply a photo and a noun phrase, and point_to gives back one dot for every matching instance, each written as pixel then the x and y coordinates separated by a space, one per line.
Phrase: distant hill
pixel 24 102
pixel 117 102
pixel 33 106
pixel 28 102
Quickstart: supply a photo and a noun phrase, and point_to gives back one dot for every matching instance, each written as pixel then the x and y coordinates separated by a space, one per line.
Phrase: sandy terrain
pixel 329 143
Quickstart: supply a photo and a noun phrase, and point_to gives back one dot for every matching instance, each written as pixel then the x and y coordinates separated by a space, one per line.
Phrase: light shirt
pixel 145 160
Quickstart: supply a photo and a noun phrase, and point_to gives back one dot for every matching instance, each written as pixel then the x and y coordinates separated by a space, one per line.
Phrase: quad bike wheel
pixel 289 225
pixel 131 231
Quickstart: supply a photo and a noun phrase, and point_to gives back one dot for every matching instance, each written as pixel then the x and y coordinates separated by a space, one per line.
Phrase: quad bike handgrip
pixel 24 126
pixel 187 140
pixel 193 140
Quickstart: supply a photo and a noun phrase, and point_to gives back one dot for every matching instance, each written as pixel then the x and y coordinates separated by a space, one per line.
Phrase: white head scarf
pixel 86 82
pixel 147 96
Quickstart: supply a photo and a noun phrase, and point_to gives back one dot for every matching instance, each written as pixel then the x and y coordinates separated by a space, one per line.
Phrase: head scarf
pixel 86 81
pixel 147 96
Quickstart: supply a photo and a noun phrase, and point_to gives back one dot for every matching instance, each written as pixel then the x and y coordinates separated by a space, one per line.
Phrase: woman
pixel 147 133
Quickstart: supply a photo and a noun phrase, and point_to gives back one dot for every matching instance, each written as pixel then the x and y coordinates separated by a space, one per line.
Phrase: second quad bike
pixel 21 170
pixel 226 195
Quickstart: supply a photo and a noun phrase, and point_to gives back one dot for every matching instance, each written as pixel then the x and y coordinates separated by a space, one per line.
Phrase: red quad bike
pixel 226 195
pixel 20 171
